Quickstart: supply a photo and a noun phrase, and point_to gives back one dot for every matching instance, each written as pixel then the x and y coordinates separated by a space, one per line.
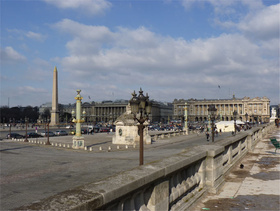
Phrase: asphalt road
pixel 5 132
pixel 32 172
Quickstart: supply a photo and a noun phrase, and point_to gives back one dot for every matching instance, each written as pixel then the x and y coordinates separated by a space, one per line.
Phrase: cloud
pixel 263 25
pixel 9 55
pixel 35 36
pixel 31 90
pixel 29 34
pixel 93 7
pixel 99 57
pixel 96 36
pixel 222 6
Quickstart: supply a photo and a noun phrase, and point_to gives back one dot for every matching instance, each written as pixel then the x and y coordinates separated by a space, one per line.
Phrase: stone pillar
pixel 159 199
pixel 54 111
pixel 214 168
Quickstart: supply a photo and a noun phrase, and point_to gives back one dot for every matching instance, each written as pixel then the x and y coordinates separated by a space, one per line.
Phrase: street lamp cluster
pixel 142 106
pixel 26 123
pixel 78 140
pixel 212 111
pixel 234 118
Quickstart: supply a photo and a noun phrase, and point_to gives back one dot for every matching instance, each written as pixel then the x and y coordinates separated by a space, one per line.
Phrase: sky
pixel 172 49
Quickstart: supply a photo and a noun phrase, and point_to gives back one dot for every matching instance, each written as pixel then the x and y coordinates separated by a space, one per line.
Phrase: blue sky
pixel 171 48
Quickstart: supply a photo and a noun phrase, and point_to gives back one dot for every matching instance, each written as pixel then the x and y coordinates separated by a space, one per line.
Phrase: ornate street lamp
pixel 253 117
pixel 84 115
pixel 246 116
pixel 212 111
pixel 48 139
pixel 144 106
pixel 26 122
pixel 10 128
pixel 78 140
pixel 234 117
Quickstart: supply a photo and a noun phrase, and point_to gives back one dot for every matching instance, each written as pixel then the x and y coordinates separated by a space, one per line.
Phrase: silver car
pixel 61 133
pixel 46 134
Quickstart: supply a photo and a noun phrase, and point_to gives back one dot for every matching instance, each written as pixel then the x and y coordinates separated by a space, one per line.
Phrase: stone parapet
pixel 173 183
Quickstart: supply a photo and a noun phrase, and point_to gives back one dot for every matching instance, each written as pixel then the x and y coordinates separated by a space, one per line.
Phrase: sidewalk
pixel 256 186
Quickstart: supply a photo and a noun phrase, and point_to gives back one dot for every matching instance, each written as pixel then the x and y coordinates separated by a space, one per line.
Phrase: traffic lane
pixel 3 134
pixel 187 141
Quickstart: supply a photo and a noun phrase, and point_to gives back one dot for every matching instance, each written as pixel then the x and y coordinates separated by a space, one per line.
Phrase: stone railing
pixel 167 134
pixel 173 183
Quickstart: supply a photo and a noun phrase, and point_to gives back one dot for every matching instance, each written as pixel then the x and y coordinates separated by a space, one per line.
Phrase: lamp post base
pixel 78 142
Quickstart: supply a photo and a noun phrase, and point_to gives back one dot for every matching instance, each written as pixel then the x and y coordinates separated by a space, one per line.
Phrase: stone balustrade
pixel 173 183
pixel 167 134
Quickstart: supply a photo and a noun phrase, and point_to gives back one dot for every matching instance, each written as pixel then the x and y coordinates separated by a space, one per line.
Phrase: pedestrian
pixel 207 136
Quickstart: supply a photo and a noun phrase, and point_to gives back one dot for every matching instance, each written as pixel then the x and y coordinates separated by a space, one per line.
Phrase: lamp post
pixel 234 118
pixel 246 117
pixel 45 121
pixel 78 140
pixel 10 128
pixel 253 117
pixel 84 119
pixel 26 122
pixel 212 110
pixel 144 106
pixel 48 139
pixel 186 118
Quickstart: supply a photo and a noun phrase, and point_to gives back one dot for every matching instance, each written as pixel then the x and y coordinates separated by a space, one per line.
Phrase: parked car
pixel 93 129
pixel 14 135
pixel 84 131
pixel 69 126
pixel 33 135
pixel 46 134
pixel 61 133
pixel 104 129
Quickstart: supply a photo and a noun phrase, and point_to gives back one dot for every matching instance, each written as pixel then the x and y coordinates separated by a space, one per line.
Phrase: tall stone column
pixel 54 111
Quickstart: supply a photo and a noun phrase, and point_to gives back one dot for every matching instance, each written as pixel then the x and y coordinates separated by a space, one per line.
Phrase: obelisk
pixel 54 111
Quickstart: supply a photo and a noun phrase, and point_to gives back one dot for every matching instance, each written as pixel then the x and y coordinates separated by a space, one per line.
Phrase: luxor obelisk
pixel 54 111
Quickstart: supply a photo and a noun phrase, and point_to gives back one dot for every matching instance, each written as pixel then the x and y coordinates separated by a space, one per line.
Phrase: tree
pixel 46 114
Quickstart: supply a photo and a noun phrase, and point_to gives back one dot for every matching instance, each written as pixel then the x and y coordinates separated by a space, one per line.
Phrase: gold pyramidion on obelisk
pixel 55 112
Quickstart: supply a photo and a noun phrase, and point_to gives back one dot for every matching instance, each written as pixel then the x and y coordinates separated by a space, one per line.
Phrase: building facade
pixel 109 111
pixel 161 112
pixel 254 109
pixel 105 111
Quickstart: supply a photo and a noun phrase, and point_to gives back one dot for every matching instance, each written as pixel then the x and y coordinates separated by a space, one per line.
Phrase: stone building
pixel 258 109
pixel 161 112
pixel 108 111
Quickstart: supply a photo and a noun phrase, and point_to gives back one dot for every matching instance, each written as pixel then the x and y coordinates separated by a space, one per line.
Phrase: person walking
pixel 207 135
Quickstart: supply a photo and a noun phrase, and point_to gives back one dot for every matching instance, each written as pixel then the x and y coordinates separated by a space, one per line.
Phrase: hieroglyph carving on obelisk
pixel 54 111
